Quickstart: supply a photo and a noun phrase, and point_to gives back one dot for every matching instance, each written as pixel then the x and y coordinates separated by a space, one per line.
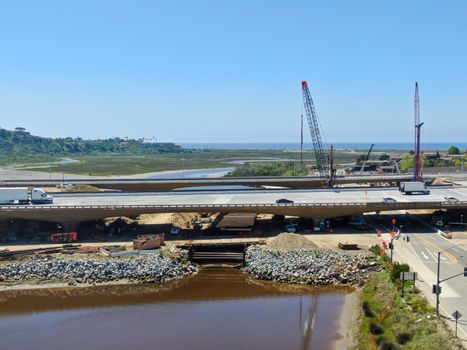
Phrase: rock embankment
pixel 148 268
pixel 306 266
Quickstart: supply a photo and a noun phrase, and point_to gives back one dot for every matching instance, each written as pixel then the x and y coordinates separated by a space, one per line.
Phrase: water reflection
pixel 217 309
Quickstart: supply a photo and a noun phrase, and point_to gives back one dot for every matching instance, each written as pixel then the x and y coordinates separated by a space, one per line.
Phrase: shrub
pixel 403 338
pixel 367 309
pixel 380 339
pixel 375 249
pixel 375 329
pixel 388 345
pixel 420 304
pixel 397 269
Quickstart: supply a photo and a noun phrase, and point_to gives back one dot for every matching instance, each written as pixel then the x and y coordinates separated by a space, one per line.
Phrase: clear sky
pixel 230 71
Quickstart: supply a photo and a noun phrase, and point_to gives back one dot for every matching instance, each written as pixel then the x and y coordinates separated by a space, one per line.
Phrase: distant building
pixel 20 129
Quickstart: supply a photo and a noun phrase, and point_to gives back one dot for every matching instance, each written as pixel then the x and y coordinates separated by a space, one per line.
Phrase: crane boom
pixel 418 125
pixel 322 157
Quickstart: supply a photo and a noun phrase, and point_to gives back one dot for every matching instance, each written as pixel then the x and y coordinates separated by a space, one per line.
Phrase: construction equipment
pixel 65 237
pixel 366 158
pixel 418 126
pixel 145 242
pixel 321 154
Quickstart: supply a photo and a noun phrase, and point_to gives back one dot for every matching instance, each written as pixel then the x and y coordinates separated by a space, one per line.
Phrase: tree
pixel 453 150
pixel 406 163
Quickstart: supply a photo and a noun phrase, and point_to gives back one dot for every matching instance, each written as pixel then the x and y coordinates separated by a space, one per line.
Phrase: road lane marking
pixel 451 257
pixel 429 252
pixel 424 255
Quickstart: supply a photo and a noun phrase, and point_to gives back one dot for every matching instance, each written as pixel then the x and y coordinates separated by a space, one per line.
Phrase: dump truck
pixel 24 195
pixel 413 188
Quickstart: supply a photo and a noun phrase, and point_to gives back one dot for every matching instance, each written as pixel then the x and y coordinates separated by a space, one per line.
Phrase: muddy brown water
pixel 219 308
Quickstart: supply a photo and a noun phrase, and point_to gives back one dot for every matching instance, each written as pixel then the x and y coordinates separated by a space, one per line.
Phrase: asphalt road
pixel 340 195
pixel 421 254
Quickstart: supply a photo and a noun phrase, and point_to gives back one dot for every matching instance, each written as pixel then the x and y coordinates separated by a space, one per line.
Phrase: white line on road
pixel 429 252
pixel 424 255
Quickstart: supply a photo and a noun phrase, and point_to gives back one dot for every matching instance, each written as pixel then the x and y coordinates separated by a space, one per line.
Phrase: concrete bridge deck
pixel 307 203
pixel 170 184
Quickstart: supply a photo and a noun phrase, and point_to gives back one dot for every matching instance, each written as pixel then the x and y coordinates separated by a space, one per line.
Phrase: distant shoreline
pixel 386 146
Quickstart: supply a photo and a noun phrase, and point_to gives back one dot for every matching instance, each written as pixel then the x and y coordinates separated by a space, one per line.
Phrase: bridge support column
pixel 70 226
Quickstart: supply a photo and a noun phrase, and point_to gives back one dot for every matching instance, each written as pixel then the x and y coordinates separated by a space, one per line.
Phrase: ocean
pixel 434 146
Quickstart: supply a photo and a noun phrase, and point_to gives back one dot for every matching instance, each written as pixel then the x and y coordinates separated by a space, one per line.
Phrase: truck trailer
pixel 24 195
pixel 413 188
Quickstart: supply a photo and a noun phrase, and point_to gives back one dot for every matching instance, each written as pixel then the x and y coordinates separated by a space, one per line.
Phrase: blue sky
pixel 230 71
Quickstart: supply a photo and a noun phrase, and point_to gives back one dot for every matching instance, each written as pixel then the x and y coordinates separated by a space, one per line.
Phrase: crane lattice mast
pixel 322 157
pixel 418 125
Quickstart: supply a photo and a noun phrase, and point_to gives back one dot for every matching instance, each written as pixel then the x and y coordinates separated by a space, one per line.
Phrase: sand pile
pixel 155 219
pixel 83 188
pixel 291 241
pixel 183 220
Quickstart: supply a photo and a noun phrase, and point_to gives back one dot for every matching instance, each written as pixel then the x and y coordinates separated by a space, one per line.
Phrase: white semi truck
pixel 413 187
pixel 24 195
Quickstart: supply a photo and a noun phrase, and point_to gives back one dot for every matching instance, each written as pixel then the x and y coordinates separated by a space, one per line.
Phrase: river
pixel 219 308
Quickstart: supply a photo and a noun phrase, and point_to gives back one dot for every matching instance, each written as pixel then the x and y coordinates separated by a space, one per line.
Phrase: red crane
pixel 418 126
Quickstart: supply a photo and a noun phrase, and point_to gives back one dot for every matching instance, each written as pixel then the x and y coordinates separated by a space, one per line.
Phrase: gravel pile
pixel 317 267
pixel 147 268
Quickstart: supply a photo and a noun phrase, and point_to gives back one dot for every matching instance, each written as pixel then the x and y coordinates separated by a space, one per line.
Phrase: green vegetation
pixel 392 322
pixel 21 146
pixel 408 162
pixel 118 164
pixel 270 169
pixel 453 150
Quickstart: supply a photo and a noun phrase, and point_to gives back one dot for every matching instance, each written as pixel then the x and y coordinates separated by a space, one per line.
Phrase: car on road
pixel 451 199
pixel 290 228
pixel 389 200
pixel 283 201
pixel 175 230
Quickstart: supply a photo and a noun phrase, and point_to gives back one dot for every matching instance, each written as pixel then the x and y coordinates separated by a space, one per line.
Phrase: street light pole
pixel 438 281
pixel 437 285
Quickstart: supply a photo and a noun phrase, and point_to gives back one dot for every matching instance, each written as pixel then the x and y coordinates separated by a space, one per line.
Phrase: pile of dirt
pixel 83 188
pixel 183 220
pixel 290 241
pixel 155 219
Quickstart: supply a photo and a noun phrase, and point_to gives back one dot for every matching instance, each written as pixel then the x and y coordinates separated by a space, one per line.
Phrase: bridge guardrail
pixel 373 205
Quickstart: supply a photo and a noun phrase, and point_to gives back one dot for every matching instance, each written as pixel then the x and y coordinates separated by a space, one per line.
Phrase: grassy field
pixel 393 322
pixel 213 158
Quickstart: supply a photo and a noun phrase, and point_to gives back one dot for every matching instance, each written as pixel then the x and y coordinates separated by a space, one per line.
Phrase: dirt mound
pixel 155 219
pixel 83 188
pixel 291 241
pixel 183 220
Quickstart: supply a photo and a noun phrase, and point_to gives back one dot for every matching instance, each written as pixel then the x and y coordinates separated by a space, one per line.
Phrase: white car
pixel 389 200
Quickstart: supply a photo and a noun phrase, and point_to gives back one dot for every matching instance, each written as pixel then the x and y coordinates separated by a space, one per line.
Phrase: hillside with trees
pixel 20 145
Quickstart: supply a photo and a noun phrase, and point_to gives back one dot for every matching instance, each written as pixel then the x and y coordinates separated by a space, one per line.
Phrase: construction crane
pixel 418 172
pixel 321 154
pixel 366 158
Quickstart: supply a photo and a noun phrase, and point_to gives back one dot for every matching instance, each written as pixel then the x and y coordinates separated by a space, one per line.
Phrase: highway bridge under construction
pixel 72 208
pixel 171 184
